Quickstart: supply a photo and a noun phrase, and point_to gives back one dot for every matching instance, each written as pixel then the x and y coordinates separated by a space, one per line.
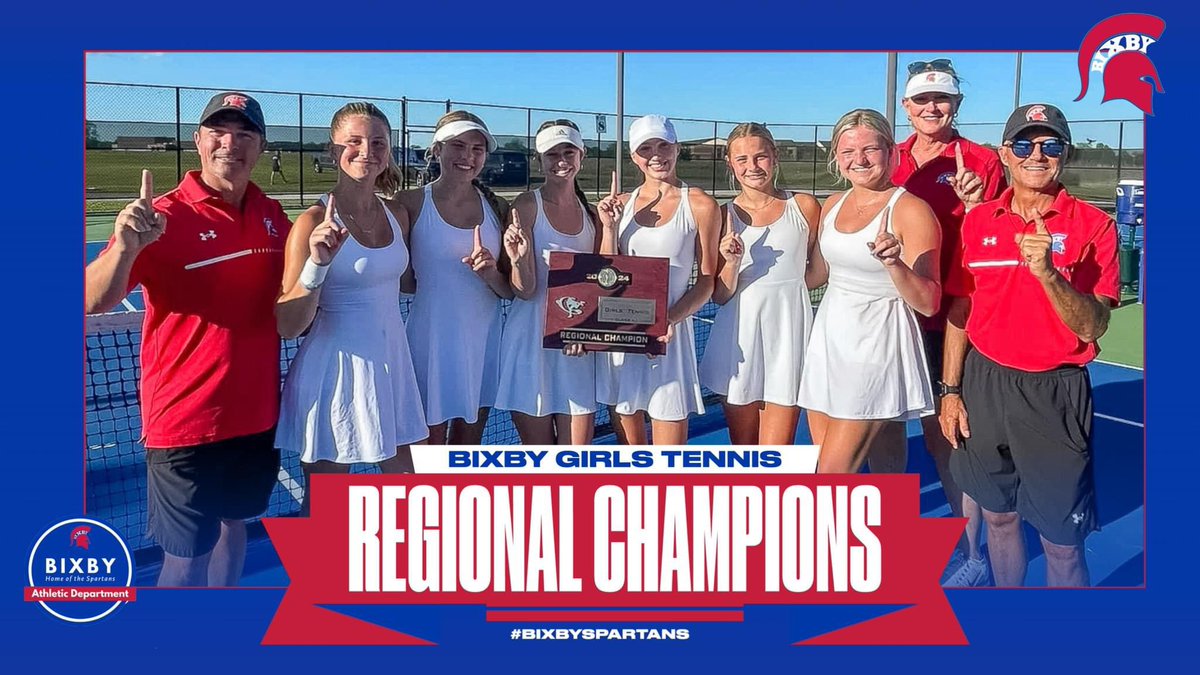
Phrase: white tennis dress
pixel 534 380
pixel 755 350
pixel 865 359
pixel 350 394
pixel 454 323
pixel 667 387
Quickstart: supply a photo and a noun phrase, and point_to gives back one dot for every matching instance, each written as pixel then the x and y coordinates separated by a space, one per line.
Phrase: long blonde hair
pixel 861 117
pixel 388 182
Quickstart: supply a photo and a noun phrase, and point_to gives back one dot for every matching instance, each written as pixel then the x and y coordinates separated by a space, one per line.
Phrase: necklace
pixel 354 221
pixel 759 207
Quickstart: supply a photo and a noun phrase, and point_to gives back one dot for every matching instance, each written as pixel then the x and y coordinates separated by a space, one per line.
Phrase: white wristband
pixel 312 275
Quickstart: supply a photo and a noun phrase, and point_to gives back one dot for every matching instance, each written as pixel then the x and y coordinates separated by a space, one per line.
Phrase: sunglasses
pixel 942 65
pixel 1051 147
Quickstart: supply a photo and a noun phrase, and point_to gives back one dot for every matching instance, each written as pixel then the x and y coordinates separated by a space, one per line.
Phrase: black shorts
pixel 935 344
pixel 190 490
pixel 1030 447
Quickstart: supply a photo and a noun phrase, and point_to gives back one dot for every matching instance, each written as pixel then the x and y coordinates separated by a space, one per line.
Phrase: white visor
pixel 931 82
pixel 560 133
pixel 457 128
pixel 648 127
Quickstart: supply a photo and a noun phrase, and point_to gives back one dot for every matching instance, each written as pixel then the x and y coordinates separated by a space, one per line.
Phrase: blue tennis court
pixel 116 481
pixel 1115 554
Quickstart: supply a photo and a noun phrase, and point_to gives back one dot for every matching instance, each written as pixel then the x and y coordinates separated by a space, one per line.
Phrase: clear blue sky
pixel 800 88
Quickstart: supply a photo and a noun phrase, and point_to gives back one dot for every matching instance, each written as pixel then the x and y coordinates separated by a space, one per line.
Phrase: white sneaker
pixel 973 572
pixel 956 561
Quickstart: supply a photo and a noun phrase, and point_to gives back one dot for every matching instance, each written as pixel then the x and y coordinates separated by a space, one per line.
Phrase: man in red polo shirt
pixel 1033 291
pixel 210 352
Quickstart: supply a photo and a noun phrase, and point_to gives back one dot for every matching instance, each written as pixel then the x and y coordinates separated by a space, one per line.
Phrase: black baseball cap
pixel 1037 115
pixel 238 103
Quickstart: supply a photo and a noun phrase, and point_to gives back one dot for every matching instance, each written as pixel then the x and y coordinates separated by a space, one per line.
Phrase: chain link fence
pixel 133 127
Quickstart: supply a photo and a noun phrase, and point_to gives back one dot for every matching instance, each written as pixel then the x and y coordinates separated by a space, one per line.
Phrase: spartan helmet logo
pixel 79 537
pixel 1036 113
pixel 1116 47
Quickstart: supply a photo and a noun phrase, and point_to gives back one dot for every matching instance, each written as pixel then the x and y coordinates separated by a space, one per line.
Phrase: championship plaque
pixel 606 302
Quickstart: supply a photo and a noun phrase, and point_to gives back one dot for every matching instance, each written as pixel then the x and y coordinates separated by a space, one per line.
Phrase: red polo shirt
pixel 210 350
pixel 1012 321
pixel 931 183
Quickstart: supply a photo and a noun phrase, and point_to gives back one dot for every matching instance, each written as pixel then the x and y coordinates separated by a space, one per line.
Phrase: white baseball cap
pixel 931 82
pixel 648 127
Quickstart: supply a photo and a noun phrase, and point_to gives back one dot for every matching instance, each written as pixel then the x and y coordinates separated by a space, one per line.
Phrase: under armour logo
pixel 989 241
pixel 205 236
pixel 1077 518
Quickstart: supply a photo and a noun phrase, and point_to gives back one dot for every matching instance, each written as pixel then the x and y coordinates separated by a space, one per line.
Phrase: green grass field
pixel 113 177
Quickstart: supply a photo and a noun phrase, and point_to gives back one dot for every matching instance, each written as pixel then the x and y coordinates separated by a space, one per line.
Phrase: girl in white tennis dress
pixel 351 394
pixel 666 388
pixel 455 320
pixel 755 350
pixel 865 360
pixel 550 393
pixel 865 366
pixel 533 380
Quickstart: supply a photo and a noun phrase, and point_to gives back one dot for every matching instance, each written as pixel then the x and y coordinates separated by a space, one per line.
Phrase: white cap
pixel 648 127
pixel 560 133
pixel 929 82
pixel 459 127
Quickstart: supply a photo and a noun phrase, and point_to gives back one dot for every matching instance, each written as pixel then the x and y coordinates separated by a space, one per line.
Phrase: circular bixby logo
pixel 80 570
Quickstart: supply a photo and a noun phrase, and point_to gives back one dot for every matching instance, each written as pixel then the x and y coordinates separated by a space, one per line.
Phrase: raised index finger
pixel 958 158
pixel 516 223
pixel 329 206
pixel 884 216
pixel 147 191
pixel 1039 222
pixel 478 238
pixel 612 190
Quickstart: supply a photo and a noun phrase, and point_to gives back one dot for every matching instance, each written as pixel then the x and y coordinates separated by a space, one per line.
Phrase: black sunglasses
pixel 1051 147
pixel 942 65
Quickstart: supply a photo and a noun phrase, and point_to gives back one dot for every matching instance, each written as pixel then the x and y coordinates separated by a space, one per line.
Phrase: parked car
pixel 501 168
pixel 505 167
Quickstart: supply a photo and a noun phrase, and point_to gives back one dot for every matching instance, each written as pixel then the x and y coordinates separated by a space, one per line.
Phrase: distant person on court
pixel 455 321
pixel 879 247
pixel 953 175
pixel 664 217
pixel 1031 295
pixel 210 353
pixel 551 394
pixel 755 351
pixel 277 167
pixel 351 394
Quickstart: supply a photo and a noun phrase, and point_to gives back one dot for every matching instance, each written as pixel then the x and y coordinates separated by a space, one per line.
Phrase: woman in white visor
pixel 454 324
pixel 551 394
